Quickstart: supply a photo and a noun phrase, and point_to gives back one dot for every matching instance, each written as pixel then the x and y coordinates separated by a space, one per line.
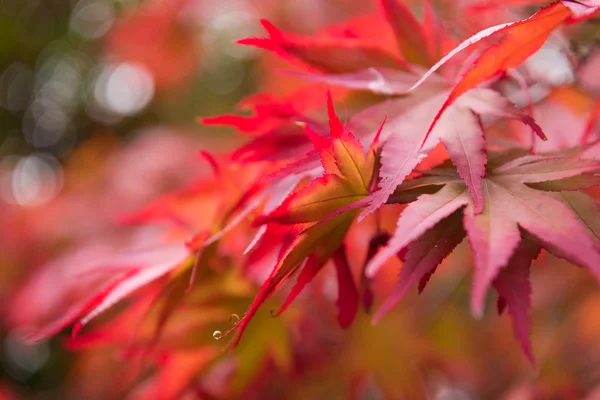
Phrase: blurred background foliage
pixel 99 101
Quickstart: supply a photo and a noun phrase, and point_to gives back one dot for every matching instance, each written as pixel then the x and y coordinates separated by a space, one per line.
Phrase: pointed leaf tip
pixel 375 141
pixel 514 291
pixel 270 28
pixel 335 125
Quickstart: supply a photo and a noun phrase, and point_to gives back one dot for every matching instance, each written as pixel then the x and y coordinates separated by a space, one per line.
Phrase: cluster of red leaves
pixel 304 181
pixel 503 194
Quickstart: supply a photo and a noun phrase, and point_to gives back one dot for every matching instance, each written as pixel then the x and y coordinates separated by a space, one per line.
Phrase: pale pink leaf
pixel 587 210
pixel 465 143
pixel 404 150
pixel 486 101
pixel 459 130
pixel 493 237
pixel 417 218
pixel 548 169
pixel 555 225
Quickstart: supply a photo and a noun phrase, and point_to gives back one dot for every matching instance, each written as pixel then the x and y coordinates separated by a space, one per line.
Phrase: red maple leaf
pixel 524 194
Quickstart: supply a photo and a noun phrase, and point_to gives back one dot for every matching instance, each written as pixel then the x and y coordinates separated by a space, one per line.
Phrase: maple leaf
pixel 419 122
pixel 275 124
pixel 267 114
pixel 326 52
pixel 309 237
pixel 307 251
pixel 459 130
pixel 107 278
pixel 523 38
pixel 461 133
pixel 515 200
pixel 508 49
pixel 514 290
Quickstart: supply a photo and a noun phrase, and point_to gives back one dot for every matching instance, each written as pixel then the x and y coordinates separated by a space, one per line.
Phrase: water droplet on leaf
pixel 217 335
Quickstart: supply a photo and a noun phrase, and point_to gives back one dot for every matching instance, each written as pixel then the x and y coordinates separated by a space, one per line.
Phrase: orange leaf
pixel 523 39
